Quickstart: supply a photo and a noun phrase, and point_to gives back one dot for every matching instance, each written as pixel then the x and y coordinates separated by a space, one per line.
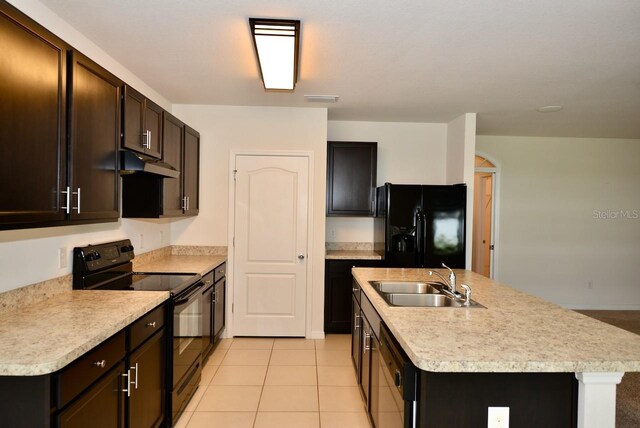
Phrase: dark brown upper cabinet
pixel 351 178
pixel 173 202
pixel 191 170
pixel 142 124
pixel 59 127
pixel 151 196
pixel 94 141
pixel 33 81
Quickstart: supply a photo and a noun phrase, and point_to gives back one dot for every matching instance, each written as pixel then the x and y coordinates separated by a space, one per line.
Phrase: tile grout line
pixel 264 381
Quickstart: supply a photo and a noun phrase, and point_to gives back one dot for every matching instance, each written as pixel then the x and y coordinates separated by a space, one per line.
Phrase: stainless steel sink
pixel 406 287
pixel 418 294
pixel 420 300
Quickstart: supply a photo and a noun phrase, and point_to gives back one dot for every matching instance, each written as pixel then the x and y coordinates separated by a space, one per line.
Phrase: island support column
pixel 597 399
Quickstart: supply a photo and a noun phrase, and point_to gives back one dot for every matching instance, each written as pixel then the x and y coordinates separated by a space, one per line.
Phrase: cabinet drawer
pixel 85 370
pixel 220 272
pixel 144 327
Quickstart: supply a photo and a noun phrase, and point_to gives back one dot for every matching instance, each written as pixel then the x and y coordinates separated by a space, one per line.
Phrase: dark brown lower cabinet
pixel 337 293
pixel 100 406
pixel 146 403
pixel 114 385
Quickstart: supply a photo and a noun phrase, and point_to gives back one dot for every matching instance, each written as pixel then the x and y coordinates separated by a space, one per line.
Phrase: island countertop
pixel 45 336
pixel 517 332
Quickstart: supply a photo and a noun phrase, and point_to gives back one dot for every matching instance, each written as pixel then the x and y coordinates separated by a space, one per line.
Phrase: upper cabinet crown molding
pixel 351 178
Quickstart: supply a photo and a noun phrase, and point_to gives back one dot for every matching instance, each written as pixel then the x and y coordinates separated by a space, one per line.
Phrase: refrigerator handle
pixel 420 224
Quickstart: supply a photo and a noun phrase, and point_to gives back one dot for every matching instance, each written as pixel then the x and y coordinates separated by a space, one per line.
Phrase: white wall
pixel 563 233
pixel 408 153
pixel 226 128
pixel 461 147
pixel 28 256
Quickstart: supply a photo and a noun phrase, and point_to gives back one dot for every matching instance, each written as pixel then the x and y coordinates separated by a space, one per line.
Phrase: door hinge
pixel 491 247
pixel 235 172
pixel 233 242
pixel 232 308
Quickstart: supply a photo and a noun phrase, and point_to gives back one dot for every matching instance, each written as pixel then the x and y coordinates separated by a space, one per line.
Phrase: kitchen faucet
pixel 451 282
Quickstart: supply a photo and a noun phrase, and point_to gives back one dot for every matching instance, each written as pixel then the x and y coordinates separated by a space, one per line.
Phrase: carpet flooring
pixel 628 392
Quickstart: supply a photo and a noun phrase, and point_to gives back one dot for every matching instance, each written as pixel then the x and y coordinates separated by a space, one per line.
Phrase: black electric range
pixel 109 266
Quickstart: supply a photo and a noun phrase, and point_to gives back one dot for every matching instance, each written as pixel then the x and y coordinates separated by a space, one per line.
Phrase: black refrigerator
pixel 421 225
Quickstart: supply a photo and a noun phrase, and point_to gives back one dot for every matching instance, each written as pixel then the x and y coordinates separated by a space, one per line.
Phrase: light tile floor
pixel 283 383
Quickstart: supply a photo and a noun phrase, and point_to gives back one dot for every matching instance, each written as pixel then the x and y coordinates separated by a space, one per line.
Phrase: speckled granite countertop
pixel 352 255
pixel 44 337
pixel 183 264
pixel 517 332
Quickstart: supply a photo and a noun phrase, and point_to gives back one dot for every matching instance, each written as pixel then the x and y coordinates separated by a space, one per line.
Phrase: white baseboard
pixel 317 335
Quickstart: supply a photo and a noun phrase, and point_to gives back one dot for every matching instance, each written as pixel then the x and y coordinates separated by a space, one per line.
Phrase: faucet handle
pixel 467 294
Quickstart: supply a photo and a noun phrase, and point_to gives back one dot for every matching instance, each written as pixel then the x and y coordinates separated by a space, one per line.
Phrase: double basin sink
pixel 418 294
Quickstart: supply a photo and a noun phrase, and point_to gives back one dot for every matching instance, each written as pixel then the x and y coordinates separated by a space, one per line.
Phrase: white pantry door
pixel 270 265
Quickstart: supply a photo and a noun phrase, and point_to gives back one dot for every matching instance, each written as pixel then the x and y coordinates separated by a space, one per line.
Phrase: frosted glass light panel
pixel 276 43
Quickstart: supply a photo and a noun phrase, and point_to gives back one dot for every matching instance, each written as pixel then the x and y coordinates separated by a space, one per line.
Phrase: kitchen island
pixel 514 333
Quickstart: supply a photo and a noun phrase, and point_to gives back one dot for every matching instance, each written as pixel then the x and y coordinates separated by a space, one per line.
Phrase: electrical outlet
pixel 498 417
pixel 62 258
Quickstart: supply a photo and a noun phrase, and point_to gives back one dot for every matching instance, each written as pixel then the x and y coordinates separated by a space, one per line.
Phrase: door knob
pixel 301 256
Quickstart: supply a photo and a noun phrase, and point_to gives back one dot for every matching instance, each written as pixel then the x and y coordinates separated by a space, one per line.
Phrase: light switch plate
pixel 498 417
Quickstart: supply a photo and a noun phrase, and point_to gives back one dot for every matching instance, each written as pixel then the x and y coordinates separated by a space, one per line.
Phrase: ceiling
pixel 407 61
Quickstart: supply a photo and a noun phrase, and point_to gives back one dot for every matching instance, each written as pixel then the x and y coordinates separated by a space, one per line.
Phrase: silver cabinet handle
pixel 67 192
pixel 355 289
pixel 301 256
pixel 207 281
pixel 78 207
pixel 100 363
pixel 135 382
pixel 184 203
pixel 366 347
pixel 214 297
pixel 128 388
pixel 356 324
pixel 151 324
pixel 146 137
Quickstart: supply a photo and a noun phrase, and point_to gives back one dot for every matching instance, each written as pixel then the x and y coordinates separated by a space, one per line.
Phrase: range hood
pixel 131 163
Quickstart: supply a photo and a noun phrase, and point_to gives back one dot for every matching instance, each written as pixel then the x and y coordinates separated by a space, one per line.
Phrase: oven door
pixel 187 332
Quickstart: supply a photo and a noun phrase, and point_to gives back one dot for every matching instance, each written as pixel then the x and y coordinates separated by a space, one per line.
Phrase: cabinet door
pixel 218 314
pixel 101 405
pixel 148 383
pixel 94 141
pixel 153 128
pixel 337 293
pixel 356 338
pixel 172 195
pixel 207 315
pixel 191 170
pixel 374 380
pixel 351 178
pixel 133 120
pixel 365 375
pixel 32 121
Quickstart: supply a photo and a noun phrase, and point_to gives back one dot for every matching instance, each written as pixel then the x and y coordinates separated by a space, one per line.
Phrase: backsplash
pixel 35 292
pixel 197 250
pixel 349 246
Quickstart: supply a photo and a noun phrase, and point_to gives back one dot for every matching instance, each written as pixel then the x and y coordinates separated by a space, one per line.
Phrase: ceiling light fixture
pixel 549 109
pixel 276 42
pixel 322 98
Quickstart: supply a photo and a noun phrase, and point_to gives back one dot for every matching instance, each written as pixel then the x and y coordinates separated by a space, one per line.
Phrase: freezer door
pixel 445 212
pixel 403 205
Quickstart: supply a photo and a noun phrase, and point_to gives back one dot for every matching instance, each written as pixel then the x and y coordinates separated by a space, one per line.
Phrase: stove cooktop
pixel 162 281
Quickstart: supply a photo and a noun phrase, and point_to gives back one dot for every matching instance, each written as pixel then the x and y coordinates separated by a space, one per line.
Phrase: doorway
pixel 484 214
pixel 270 266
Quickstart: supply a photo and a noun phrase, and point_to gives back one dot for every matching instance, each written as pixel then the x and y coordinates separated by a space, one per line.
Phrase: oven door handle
pixel 184 300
